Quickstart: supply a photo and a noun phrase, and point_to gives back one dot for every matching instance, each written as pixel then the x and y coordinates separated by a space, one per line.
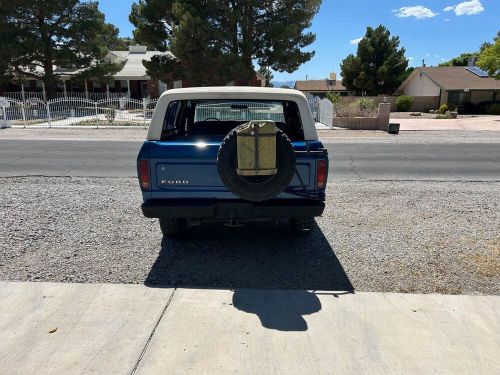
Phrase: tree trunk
pixel 48 78
pixel 247 45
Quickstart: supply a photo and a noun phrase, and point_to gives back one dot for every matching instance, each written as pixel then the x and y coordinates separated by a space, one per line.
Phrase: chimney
pixel 333 76
pixel 472 61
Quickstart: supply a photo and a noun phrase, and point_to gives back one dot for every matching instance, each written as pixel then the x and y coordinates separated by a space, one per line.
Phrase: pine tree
pixel 37 35
pixel 378 65
pixel 217 41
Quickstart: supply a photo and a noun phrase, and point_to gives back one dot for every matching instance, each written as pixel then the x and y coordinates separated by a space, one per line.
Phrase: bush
pixel 493 109
pixel 367 107
pixel 404 103
pixel 443 109
pixel 334 97
pixel 359 108
pixel 483 107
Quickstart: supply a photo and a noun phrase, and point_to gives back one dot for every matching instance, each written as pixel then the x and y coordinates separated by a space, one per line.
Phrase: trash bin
pixel 393 129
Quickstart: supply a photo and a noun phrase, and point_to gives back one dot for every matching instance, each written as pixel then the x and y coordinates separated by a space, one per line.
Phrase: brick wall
pixel 381 122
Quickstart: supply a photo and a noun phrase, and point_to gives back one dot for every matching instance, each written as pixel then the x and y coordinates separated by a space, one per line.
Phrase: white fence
pixel 73 111
pixel 19 95
pixel 322 110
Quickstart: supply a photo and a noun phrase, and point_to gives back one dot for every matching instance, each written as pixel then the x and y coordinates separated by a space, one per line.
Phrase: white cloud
pixel 411 58
pixel 418 11
pixel 467 8
pixel 446 20
pixel 356 41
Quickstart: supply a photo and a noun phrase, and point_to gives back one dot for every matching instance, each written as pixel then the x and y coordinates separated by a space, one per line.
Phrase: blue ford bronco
pixel 232 154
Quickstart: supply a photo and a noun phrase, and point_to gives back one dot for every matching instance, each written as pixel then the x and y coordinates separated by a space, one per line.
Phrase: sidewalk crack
pixel 146 346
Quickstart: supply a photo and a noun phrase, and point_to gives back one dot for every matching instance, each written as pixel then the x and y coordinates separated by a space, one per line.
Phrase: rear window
pixel 216 118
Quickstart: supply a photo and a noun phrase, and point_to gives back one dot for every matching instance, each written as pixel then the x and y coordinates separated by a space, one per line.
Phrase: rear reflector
pixel 321 173
pixel 144 174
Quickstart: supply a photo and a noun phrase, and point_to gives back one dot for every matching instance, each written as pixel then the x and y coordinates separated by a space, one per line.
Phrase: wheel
pixel 302 225
pixel 173 227
pixel 256 188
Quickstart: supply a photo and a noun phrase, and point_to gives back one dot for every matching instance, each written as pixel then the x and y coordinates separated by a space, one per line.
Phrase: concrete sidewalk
pixel 124 329
pixel 481 123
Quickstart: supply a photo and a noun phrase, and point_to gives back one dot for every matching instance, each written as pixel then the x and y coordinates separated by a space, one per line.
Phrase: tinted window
pixel 198 118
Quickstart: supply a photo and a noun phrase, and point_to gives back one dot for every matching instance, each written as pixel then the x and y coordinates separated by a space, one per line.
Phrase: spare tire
pixel 256 188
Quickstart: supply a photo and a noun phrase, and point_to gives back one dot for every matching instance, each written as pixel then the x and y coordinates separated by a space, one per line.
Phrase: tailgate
pixel 189 169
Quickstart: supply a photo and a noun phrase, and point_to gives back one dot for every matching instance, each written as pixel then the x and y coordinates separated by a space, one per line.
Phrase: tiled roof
pixel 457 78
pixel 319 85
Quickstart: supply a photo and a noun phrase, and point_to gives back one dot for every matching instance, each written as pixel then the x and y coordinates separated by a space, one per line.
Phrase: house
pixel 451 85
pixel 319 87
pixel 130 81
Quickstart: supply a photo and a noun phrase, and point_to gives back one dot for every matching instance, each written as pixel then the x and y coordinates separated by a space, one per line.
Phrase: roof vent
pixel 471 61
pixel 137 49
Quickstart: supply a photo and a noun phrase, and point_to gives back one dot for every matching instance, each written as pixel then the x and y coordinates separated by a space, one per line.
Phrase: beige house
pixel 319 87
pixel 452 85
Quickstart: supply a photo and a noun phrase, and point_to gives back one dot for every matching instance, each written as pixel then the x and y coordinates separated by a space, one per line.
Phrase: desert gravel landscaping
pixel 416 237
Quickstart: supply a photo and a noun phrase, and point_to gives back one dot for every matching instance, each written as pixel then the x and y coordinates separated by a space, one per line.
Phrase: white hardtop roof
pixel 235 92
pixel 232 93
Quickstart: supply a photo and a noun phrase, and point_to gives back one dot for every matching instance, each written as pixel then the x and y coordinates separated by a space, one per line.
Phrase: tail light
pixel 144 180
pixel 321 174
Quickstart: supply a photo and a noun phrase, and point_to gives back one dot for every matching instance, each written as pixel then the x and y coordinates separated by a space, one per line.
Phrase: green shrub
pixel 359 108
pixel 443 109
pixel 334 97
pixel 482 107
pixel 493 109
pixel 404 103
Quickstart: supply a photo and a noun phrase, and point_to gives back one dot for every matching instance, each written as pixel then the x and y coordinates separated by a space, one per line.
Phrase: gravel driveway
pixel 416 237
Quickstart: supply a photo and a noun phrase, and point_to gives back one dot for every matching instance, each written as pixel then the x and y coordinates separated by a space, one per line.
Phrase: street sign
pixel 4 103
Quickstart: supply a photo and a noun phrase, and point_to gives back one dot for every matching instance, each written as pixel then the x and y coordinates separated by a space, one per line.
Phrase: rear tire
pixel 302 225
pixel 173 227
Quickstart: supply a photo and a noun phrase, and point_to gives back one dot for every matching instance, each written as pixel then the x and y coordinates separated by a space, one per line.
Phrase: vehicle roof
pixel 232 93
pixel 246 92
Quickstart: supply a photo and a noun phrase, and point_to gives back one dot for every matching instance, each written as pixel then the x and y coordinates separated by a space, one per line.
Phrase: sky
pixel 434 30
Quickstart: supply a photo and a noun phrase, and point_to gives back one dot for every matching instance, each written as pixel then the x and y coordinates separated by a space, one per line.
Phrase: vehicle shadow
pixel 272 272
pixel 254 256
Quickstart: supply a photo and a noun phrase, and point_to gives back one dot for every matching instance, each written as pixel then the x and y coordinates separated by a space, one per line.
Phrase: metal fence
pixel 74 111
pixel 21 96
pixel 322 110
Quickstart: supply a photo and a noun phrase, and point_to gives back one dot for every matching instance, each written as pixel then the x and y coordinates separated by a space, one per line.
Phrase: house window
pixel 458 97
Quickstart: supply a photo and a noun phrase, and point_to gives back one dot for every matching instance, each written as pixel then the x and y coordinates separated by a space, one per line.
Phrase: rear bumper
pixel 228 209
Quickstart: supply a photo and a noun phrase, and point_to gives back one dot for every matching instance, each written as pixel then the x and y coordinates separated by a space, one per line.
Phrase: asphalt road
pixel 349 161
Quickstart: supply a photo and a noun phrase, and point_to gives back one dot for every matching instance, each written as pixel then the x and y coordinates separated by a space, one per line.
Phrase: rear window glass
pixel 205 118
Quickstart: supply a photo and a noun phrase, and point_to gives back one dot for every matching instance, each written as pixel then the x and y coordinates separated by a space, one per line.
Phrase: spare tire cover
pixel 256 188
